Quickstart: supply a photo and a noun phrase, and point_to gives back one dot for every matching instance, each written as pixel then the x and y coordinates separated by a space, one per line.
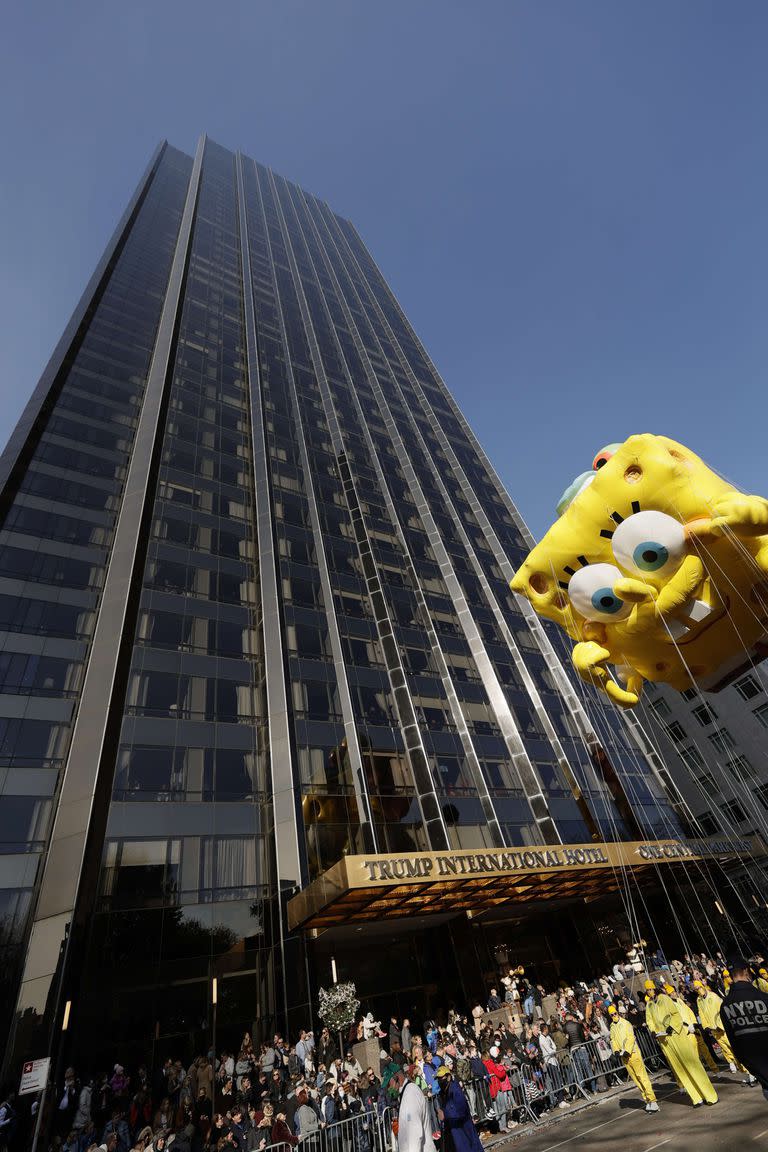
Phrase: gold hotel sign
pixel 367 888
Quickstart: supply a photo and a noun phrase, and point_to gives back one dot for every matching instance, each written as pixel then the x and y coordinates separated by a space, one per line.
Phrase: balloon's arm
pixel 680 587
pixel 744 515
pixel 589 660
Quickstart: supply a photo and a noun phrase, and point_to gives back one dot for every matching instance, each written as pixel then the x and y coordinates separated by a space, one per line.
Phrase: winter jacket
pixel 499 1077
pixel 281 1133
pixel 745 1019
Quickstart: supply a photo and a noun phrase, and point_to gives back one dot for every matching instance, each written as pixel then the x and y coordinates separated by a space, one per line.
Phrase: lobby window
pixel 228 868
pixel 141 873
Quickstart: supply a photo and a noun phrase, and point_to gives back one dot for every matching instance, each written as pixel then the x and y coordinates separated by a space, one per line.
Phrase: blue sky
pixel 569 197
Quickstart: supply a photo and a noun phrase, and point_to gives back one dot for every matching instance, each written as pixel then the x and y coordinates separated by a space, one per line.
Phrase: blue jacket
pixel 458 1119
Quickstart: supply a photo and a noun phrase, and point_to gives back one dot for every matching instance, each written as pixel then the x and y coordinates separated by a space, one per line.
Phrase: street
pixel 738 1121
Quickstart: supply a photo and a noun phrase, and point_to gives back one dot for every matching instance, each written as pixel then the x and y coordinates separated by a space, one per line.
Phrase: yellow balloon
pixel 657 567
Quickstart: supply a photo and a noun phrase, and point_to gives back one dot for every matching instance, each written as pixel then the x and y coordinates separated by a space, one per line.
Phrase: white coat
pixel 414 1132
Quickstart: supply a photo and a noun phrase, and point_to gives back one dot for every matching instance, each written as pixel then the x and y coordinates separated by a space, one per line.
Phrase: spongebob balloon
pixel 656 566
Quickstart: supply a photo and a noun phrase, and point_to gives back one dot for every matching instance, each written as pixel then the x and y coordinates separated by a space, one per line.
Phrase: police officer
pixel 744 1015
pixel 709 1016
pixel 624 1044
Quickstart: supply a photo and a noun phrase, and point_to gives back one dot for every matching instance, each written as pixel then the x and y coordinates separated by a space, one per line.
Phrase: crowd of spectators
pixel 525 1051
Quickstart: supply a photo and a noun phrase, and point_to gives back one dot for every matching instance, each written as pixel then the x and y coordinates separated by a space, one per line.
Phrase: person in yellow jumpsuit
pixel 695 1038
pixel 726 980
pixel 653 1022
pixel 667 1025
pixel 625 1046
pixel 709 1005
pixel 762 980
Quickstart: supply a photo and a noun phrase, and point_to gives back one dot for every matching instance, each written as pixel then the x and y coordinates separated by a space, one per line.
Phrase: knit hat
pixel 649 984
pixel 668 988
pixel 443 1071
pixel 612 1010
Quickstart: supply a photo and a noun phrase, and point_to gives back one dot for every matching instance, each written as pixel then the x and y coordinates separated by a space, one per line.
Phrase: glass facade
pixel 255 616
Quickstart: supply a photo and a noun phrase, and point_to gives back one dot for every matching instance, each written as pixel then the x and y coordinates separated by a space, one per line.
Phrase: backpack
pixel 463 1070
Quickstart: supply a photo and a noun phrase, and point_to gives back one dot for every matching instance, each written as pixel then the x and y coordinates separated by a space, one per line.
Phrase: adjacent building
pixel 256 627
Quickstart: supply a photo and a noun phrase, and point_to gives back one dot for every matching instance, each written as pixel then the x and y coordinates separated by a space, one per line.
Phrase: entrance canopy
pixel 361 889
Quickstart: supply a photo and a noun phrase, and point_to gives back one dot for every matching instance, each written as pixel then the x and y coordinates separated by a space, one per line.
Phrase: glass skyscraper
pixel 255 620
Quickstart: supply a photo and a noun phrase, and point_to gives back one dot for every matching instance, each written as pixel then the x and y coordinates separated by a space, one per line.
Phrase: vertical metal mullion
pixel 60 891
pixel 288 853
pixel 350 724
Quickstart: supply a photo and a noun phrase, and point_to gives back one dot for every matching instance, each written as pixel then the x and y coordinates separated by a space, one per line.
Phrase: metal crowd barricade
pixel 527 1090
pixel 353 1134
pixel 384 1139
pixel 601 1061
pixel 478 1093
pixel 649 1049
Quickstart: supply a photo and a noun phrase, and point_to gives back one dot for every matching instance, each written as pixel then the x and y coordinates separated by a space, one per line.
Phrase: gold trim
pixel 374 887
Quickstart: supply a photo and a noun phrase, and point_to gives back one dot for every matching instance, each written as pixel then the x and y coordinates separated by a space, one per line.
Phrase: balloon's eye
pixel 649 543
pixel 591 593
pixel 605 600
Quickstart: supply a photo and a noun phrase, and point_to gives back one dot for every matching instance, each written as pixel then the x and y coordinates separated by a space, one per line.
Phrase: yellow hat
pixel 762 971
pixel 726 972
pixel 668 988
pixel 612 1010
pixel 650 985
pixel 698 984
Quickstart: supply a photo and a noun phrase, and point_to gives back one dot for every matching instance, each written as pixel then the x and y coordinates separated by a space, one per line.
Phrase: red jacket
pixel 281 1133
pixel 499 1078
